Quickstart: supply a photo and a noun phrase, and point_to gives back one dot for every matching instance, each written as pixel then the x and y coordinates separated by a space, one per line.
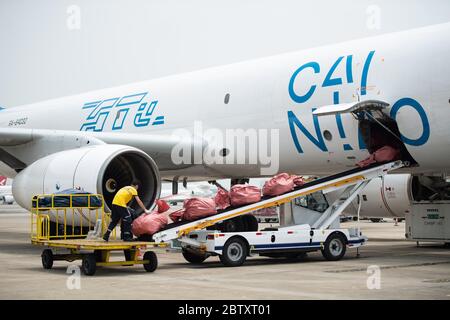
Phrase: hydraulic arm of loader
pixel 335 209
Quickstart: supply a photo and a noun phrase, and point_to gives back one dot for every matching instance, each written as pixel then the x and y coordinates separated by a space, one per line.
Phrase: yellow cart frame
pixel 66 235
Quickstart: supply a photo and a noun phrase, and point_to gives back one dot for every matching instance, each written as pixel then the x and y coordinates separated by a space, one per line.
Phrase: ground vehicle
pixel 306 226
pixel 428 221
pixel 303 229
pixel 93 251
pixel 290 242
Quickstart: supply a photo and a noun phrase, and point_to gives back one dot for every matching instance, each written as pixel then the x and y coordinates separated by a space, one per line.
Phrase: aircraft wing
pixel 20 147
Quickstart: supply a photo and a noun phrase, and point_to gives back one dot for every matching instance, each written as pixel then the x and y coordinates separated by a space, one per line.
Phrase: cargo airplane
pixel 316 112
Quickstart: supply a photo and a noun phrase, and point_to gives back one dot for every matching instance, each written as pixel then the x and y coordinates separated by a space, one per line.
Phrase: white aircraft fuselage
pixel 409 70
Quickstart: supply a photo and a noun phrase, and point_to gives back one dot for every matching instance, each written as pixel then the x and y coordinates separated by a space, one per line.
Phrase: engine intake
pixel 100 169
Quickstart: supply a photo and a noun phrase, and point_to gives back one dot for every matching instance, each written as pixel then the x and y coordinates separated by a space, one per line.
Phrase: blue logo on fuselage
pixel 295 124
pixel 138 106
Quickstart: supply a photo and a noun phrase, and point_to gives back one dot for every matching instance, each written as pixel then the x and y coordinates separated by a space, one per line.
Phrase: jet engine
pixel 100 169
pixel 385 197
pixel 391 196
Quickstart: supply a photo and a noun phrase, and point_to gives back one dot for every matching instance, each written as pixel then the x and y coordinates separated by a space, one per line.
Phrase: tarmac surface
pixel 389 268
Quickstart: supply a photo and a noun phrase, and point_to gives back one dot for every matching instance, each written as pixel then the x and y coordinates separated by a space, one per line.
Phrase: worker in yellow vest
pixel 120 211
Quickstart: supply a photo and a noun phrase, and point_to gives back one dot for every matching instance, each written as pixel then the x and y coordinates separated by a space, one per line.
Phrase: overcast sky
pixel 53 48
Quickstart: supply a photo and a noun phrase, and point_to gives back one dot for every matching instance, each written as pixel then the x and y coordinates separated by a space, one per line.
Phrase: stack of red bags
pixel 239 195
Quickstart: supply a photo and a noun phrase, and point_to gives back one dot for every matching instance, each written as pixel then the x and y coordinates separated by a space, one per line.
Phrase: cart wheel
pixel 335 247
pixel 193 257
pixel 89 264
pixel 47 258
pixel 234 252
pixel 152 261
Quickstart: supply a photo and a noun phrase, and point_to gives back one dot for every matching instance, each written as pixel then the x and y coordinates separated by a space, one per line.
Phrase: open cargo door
pixel 377 128
pixel 353 107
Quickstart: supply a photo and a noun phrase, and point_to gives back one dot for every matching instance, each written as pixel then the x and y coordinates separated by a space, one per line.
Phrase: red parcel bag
pixel 279 184
pixel 149 223
pixel 196 208
pixel 222 199
pixel 241 194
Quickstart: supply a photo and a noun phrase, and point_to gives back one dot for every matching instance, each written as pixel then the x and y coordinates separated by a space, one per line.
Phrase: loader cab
pixel 315 201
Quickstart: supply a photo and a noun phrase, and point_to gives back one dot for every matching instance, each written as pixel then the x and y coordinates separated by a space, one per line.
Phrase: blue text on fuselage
pixel 298 129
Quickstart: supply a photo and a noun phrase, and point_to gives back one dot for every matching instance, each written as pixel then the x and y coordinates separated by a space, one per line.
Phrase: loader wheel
pixel 250 223
pixel 152 261
pixel 193 257
pixel 294 256
pixel 232 225
pixel 334 247
pixel 289 256
pixel 234 252
pixel 89 264
pixel 47 258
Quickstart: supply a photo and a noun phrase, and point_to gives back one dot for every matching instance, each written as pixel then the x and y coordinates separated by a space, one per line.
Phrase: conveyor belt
pixel 304 186
pixel 341 179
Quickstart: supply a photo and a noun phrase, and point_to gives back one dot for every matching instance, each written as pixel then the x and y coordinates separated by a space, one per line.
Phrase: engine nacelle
pixel 384 197
pixel 101 169
pixel 388 196
pixel 392 195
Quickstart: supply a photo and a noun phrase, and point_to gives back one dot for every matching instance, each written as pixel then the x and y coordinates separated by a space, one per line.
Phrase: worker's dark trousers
pixel 118 213
pixel 125 227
